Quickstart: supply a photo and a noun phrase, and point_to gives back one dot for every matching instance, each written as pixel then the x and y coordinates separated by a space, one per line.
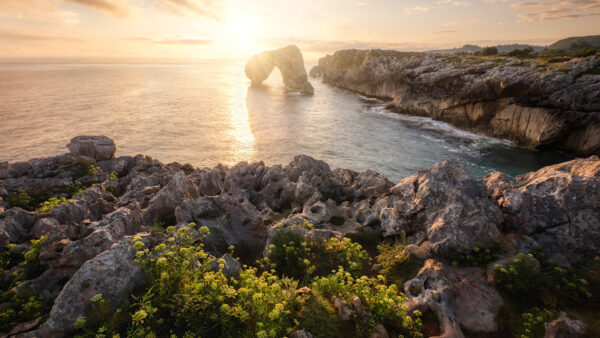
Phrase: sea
pixel 205 113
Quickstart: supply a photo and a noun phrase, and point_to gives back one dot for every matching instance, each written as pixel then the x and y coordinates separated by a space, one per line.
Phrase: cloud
pixel 204 8
pixel 22 37
pixel 178 41
pixel 454 3
pixel 106 6
pixel 557 9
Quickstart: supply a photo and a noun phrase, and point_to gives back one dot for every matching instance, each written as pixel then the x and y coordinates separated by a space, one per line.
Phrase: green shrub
pixel 520 277
pixel 291 254
pixel 92 169
pixel 384 303
pixel 74 188
pixel 525 52
pixel 52 203
pixel 397 265
pixel 30 262
pixel 21 307
pixel 487 51
pixel 20 199
pixel 533 323
pixel 477 255
pixel 186 297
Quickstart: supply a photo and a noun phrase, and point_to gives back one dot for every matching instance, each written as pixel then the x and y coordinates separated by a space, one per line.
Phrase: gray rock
pixel 565 327
pixel 301 334
pixel 162 206
pixel 557 206
pixel 113 274
pixel 446 202
pixel 459 297
pixel 15 226
pixel 44 226
pixel 99 148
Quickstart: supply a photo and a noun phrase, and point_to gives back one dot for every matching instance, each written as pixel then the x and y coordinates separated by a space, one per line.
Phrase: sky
pixel 211 29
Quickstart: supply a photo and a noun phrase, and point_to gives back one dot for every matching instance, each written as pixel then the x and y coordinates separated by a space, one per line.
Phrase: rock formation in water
pixel 444 212
pixel 532 104
pixel 290 63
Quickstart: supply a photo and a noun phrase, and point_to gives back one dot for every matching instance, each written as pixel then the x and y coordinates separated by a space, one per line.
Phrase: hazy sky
pixel 237 28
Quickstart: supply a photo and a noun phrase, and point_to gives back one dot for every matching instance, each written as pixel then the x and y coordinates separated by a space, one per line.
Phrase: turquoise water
pixel 206 113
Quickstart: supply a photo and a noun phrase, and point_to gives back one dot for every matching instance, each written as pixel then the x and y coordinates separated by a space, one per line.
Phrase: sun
pixel 241 29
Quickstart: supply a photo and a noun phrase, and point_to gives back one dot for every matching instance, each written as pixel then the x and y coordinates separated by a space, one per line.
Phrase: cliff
pixel 533 104
pixel 92 244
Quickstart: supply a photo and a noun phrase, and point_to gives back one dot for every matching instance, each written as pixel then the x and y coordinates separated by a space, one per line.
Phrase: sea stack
pixel 288 60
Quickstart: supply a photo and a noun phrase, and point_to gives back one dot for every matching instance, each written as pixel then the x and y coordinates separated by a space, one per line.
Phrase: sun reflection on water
pixel 242 146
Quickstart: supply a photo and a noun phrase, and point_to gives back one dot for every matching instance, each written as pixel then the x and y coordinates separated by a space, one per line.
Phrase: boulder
pixel 92 204
pixel 162 205
pixel 459 297
pixel 15 226
pixel 558 206
pixel 565 327
pixel 446 202
pixel 99 148
pixel 231 221
pixel 112 274
pixel 290 63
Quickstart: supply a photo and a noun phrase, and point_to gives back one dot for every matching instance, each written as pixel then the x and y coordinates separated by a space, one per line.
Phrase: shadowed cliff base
pixel 288 60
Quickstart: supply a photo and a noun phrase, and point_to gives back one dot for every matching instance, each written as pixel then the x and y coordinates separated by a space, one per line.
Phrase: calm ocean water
pixel 206 113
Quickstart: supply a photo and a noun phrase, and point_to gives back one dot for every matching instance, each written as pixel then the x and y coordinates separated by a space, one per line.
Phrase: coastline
pixel 525 102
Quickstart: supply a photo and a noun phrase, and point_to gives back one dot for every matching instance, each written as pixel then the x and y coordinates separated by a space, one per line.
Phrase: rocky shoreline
pixel 530 103
pixel 85 244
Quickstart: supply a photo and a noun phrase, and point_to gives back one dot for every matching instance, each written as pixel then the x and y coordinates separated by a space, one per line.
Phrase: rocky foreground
pixel 446 217
pixel 529 102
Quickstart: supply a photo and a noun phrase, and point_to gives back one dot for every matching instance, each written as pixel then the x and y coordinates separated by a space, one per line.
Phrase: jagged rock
pixel 231 222
pixel 301 334
pixel 459 297
pixel 276 189
pixel 209 182
pixel 113 274
pixel 557 206
pixel 365 185
pixel 162 206
pixel 99 148
pixel 565 327
pixel 505 99
pixel 290 63
pixel 44 226
pixel 15 226
pixel 99 237
pixel 446 202
pixel 91 204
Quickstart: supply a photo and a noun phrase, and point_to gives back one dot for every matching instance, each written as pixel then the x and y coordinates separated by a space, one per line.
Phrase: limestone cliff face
pixel 290 63
pixel 533 105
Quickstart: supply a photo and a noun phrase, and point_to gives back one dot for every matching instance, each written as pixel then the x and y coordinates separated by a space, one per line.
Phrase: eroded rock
pixel 290 63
